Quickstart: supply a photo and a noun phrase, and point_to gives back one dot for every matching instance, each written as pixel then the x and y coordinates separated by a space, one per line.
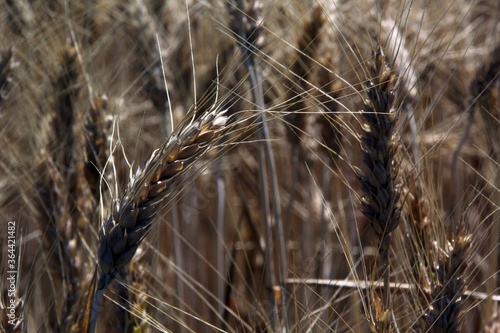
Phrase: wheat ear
pixel 132 218
pixel 445 312
pixel 380 145
pixel 307 46
pixel 57 189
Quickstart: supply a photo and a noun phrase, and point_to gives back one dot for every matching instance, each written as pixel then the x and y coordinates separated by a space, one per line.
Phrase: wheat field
pixel 250 166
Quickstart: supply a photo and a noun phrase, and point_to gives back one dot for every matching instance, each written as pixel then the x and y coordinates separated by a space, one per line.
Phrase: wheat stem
pixel 248 48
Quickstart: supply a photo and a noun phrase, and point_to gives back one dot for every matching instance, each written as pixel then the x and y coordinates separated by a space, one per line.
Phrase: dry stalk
pixel 379 178
pixel 132 218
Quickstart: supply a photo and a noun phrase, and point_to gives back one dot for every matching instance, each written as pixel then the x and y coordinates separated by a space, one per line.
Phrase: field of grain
pixel 250 166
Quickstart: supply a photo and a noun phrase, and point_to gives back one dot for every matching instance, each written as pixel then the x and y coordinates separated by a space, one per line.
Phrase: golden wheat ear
pixel 128 224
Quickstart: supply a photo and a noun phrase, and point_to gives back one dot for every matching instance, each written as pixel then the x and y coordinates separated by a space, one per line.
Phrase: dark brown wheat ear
pixel 131 219
pixel 446 311
pixel 380 146
pixel 379 178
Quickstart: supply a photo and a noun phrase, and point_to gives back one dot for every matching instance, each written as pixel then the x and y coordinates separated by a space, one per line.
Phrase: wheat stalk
pixel 247 28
